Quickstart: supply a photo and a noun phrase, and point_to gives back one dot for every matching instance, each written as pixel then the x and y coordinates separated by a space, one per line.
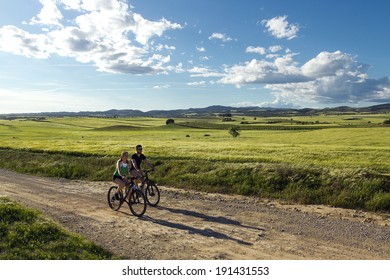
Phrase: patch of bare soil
pixel 195 225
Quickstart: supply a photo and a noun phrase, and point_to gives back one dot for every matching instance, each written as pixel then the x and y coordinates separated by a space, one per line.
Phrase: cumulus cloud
pixel 329 64
pixel 106 33
pixel 264 51
pixel 282 69
pixel 328 78
pixel 277 103
pixel 259 50
pixel 166 47
pixel 20 42
pixel 145 29
pixel 49 14
pixel 275 48
pixel 280 28
pixel 219 36
pixel 203 72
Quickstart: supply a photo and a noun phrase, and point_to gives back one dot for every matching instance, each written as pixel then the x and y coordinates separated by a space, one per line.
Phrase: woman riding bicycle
pixel 122 171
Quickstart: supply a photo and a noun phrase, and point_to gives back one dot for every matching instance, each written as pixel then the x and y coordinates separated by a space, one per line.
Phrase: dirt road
pixel 194 225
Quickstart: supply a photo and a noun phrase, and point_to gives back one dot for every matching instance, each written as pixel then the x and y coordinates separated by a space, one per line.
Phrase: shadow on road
pixel 208 218
pixel 192 230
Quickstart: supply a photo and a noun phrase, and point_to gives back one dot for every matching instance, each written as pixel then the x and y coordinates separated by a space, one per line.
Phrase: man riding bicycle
pixel 136 160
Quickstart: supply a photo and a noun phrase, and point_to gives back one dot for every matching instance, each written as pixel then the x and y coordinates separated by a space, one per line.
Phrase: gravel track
pixel 195 225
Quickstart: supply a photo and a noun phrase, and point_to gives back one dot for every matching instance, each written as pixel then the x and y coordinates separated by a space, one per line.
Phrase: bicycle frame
pixel 134 196
pixel 146 177
pixel 129 190
pixel 150 189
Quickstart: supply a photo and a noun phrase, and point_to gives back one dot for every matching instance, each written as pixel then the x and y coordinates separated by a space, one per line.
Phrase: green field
pixel 341 160
pixel 25 234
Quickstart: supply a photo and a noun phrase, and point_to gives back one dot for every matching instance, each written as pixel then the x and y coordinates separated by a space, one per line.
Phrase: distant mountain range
pixel 215 110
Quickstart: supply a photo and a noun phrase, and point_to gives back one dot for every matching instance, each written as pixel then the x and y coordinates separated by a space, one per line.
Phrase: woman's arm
pixel 118 168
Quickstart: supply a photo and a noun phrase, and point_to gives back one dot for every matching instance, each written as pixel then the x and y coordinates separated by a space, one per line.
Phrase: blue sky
pixel 92 55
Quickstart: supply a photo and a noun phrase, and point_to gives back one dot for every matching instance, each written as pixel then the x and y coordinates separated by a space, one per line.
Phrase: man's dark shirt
pixel 138 159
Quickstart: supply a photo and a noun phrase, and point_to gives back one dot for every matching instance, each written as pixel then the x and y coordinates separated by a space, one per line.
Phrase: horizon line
pixel 191 108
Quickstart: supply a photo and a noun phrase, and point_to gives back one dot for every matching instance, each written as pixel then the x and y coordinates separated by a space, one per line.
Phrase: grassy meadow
pixel 26 234
pixel 340 160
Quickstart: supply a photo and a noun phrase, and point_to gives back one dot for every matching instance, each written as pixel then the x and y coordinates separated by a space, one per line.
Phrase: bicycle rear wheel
pixel 152 194
pixel 113 203
pixel 137 203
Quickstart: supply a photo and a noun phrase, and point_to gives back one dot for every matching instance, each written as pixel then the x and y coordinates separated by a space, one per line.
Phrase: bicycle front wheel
pixel 114 203
pixel 152 194
pixel 137 203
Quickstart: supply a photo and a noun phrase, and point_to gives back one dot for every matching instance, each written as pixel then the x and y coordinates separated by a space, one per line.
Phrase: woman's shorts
pixel 116 177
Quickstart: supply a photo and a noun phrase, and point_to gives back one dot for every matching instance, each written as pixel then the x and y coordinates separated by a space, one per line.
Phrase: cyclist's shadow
pixel 192 230
pixel 208 218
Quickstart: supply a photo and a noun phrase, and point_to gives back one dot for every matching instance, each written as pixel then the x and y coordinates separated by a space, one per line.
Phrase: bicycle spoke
pixel 152 194
pixel 114 203
pixel 137 203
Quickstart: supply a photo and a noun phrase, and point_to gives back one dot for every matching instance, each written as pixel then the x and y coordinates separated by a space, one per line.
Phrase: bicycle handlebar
pixel 137 177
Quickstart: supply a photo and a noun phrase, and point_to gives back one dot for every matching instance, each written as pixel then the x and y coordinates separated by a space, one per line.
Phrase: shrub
pixel 234 131
pixel 170 121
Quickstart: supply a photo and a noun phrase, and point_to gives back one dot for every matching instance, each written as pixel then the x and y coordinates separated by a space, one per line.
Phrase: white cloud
pixel 277 103
pixel 263 51
pixel 280 70
pixel 199 70
pixel 145 29
pixel 72 4
pixel 20 42
pixel 201 83
pixel 92 5
pixel 161 47
pixel 100 34
pixel 220 36
pixel 329 64
pixel 280 28
pixel 328 78
pixel 259 50
pixel 274 49
pixel 203 72
pixel 49 14
pixel 161 87
pixel 200 49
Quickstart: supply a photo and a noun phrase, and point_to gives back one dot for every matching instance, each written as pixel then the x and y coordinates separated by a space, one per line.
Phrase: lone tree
pixel 170 121
pixel 234 131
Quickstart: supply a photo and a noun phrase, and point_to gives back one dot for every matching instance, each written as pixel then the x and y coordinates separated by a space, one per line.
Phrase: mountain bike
pixel 132 195
pixel 151 191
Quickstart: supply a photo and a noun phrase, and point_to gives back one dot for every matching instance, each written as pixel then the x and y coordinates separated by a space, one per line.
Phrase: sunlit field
pixel 332 141
pixel 338 160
